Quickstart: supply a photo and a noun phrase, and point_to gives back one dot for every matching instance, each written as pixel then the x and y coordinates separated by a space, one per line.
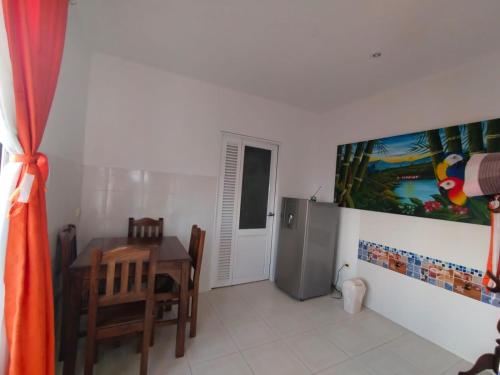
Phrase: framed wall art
pixel 418 174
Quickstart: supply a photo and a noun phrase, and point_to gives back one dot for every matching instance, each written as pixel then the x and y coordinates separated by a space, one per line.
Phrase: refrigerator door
pixel 319 249
pixel 290 245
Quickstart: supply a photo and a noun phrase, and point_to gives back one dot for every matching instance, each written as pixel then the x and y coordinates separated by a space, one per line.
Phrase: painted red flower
pixel 431 206
pixel 459 209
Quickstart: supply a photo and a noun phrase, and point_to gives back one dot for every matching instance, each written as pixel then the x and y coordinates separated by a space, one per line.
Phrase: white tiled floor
pixel 256 329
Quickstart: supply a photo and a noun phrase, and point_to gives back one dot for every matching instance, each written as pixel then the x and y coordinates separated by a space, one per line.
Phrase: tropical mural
pixel 418 174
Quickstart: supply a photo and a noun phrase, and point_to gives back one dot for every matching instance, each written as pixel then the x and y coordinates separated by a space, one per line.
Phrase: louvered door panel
pixel 227 211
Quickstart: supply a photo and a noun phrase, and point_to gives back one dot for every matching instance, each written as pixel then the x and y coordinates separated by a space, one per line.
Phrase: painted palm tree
pixel 338 164
pixel 361 170
pixel 353 168
pixel 344 167
pixel 493 136
pixel 475 138
pixel 435 147
pixel 339 161
pixel 453 139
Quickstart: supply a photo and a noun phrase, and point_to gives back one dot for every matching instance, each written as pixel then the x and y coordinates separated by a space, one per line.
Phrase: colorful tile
pixel 450 276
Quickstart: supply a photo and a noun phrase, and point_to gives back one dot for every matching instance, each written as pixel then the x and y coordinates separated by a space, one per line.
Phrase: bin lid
pixel 353 283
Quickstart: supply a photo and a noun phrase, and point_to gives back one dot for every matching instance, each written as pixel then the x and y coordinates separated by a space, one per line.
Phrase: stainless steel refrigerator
pixel 306 247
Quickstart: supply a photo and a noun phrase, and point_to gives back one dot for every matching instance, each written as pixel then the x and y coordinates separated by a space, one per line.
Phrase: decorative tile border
pixel 450 276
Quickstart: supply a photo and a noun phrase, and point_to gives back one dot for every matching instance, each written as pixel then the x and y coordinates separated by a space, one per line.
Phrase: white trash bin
pixel 353 291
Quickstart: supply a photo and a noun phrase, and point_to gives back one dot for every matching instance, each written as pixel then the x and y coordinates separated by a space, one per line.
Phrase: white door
pixel 245 210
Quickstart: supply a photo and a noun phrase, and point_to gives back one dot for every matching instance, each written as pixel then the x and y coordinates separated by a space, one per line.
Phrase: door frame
pixel 245 139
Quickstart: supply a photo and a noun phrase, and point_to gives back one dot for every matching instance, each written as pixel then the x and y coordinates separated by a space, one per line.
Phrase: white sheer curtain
pixel 10 171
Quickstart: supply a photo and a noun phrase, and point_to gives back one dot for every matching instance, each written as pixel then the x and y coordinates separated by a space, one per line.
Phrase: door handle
pixel 270 214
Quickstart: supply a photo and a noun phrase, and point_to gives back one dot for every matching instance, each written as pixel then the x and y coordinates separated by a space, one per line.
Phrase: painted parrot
pixel 453 188
pixel 452 166
pixel 451 173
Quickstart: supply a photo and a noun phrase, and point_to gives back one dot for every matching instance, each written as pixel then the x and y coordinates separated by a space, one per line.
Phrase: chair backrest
pixel 145 228
pixel 66 250
pixel 123 269
pixel 196 246
pixel 193 242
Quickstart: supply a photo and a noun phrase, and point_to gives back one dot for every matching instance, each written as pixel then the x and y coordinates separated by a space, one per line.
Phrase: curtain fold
pixel 35 31
pixel 9 173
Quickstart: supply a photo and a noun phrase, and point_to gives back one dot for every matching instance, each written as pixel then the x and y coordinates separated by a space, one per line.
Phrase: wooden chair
pixel 146 228
pixel 196 245
pixel 149 229
pixel 107 316
pixel 66 250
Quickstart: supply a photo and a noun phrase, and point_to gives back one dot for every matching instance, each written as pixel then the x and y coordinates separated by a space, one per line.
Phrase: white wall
pixel 63 139
pixel 142 121
pixel 152 146
pixel 468 93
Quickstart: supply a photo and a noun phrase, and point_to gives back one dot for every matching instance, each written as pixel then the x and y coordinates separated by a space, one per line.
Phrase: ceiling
pixel 313 54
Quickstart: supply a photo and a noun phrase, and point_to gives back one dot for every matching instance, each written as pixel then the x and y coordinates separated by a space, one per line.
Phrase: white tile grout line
pixel 283 339
pixel 280 338
pixel 296 355
pixel 230 337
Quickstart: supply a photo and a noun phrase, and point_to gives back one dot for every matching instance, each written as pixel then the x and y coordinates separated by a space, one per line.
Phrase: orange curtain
pixel 35 33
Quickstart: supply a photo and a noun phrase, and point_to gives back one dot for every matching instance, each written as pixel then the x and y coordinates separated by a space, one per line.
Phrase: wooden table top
pixel 170 249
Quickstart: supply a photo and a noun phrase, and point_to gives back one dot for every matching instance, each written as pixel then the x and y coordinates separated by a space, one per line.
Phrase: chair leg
pixel 90 345
pixel 139 342
pixel 152 339
pixel 194 315
pixel 485 362
pixel 159 311
pixel 61 342
pixel 146 341
pixel 144 360
pixel 90 356
pixel 61 331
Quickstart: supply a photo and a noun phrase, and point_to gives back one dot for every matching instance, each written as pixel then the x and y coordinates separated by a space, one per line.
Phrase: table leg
pixel 64 318
pixel 183 310
pixel 72 324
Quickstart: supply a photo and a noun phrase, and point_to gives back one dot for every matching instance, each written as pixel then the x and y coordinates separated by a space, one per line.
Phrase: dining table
pixel 173 260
